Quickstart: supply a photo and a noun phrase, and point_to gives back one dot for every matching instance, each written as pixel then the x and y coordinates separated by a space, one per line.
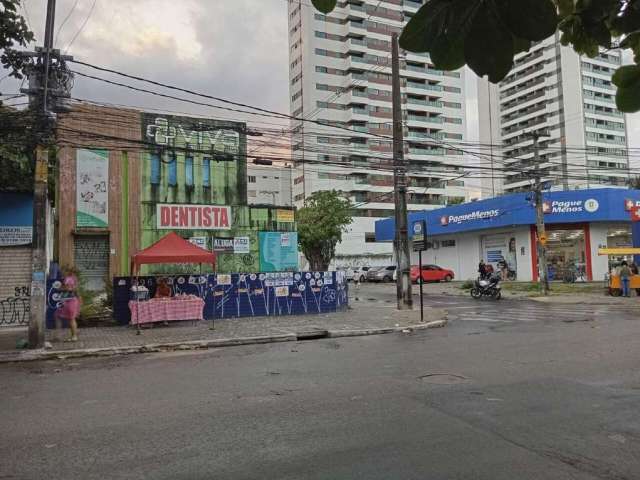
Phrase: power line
pixel 84 24
pixel 69 13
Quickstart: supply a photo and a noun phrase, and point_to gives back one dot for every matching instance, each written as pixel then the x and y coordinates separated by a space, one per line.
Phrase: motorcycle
pixel 487 287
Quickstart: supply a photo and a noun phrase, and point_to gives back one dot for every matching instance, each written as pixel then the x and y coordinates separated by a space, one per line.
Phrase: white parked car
pixel 348 272
pixel 360 274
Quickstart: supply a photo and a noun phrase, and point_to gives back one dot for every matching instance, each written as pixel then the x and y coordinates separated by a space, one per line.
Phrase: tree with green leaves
pixel 17 141
pixel 14 32
pixel 321 223
pixel 487 34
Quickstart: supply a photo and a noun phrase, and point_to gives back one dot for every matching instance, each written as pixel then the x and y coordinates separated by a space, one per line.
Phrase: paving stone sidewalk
pixel 360 317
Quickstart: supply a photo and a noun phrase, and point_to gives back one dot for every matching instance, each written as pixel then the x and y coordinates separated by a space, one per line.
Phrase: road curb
pixel 34 355
pixel 381 331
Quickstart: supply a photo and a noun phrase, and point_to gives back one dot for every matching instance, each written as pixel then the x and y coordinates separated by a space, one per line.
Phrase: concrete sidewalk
pixel 362 319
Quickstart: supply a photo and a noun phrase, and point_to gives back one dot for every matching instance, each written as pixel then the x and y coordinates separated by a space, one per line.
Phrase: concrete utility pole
pixel 37 305
pixel 47 83
pixel 543 277
pixel 401 243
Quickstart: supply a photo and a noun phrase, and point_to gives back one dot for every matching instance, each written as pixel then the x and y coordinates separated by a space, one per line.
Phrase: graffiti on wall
pixel 248 294
pixel 15 310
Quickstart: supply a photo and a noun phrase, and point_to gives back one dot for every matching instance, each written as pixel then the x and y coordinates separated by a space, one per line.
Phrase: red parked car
pixel 432 273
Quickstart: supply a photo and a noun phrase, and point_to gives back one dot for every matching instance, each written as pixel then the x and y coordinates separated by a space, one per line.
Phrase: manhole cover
pixel 443 378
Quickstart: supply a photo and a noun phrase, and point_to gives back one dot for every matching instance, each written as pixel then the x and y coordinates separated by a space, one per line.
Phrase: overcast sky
pixel 236 49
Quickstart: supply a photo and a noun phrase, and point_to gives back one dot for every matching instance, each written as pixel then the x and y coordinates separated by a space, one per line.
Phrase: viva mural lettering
pixel 193 217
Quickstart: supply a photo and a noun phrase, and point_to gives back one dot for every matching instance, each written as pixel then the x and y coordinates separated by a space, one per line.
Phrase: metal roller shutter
pixel 92 260
pixel 15 265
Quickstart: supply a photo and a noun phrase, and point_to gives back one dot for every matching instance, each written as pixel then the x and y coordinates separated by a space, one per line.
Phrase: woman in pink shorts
pixel 70 308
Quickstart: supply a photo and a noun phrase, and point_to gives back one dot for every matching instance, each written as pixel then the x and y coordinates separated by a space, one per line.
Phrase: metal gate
pixel 92 260
pixel 15 266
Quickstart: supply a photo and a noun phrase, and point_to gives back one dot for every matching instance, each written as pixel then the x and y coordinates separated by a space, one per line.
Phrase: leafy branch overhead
pixel 14 31
pixel 487 34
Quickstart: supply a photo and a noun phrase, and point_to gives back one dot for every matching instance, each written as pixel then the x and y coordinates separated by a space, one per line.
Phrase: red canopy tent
pixel 172 248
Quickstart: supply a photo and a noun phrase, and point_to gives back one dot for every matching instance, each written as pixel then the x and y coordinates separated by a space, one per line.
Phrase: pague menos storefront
pixel 577 223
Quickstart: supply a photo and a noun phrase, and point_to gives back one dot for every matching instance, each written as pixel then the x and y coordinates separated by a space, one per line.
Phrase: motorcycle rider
pixel 482 270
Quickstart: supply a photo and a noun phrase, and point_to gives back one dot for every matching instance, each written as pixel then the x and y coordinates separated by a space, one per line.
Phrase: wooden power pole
pixel 401 243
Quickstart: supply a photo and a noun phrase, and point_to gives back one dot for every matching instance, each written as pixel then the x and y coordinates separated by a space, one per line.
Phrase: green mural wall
pixel 200 162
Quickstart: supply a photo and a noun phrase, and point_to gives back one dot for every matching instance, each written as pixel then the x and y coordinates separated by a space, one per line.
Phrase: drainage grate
pixel 312 334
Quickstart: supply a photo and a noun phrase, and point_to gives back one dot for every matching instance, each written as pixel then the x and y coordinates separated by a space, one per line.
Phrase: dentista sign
pixel 193 217
pixel 477 215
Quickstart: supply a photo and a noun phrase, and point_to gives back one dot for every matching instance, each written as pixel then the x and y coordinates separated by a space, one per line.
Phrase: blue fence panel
pixel 247 294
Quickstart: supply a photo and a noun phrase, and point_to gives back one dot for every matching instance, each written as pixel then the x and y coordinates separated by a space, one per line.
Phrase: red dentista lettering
pixel 174 216
pixel 215 211
pixel 184 216
pixel 206 217
pixel 224 217
pixel 165 216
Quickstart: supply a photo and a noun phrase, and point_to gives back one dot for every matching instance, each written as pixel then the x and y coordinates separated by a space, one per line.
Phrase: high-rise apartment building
pixel 340 77
pixel 554 91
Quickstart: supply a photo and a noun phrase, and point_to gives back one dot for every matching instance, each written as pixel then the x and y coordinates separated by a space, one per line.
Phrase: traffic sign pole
pixel 421 281
pixel 419 244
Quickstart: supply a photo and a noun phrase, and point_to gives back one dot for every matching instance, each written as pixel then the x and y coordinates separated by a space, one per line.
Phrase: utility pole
pixel 543 277
pixel 401 243
pixel 47 83
pixel 37 305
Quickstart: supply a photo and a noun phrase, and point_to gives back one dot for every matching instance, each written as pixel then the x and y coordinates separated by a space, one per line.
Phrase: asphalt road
pixel 513 390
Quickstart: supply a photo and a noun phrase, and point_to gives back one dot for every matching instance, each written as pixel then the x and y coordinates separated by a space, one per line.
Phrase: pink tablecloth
pixel 166 310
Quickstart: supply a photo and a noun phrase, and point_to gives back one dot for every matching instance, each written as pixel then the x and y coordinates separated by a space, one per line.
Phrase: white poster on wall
pixel 92 193
pixel 199 241
pixel 15 235
pixel 241 245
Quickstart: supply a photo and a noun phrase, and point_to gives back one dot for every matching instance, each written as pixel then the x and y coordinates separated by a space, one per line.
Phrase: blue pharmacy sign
pixel 574 206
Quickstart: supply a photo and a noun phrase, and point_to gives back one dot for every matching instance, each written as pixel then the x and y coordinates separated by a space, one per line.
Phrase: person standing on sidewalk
pixel 70 308
pixel 634 271
pixel 504 268
pixel 625 277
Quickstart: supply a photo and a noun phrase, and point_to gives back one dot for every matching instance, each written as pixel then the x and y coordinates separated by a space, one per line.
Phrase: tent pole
pixel 137 307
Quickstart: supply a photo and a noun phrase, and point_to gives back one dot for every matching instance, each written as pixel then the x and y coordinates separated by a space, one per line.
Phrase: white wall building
pixel 269 185
pixel 340 75
pixel 553 90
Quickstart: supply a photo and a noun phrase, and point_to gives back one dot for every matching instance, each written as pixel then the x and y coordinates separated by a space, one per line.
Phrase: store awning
pixel 172 248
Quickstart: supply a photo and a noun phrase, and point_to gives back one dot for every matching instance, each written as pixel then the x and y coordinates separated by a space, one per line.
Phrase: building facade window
pixel 206 172
pixel 155 169
pixel 188 171
pixel 172 168
pixel 252 179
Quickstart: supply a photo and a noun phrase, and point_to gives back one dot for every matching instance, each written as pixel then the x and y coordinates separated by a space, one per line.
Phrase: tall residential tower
pixel 554 91
pixel 340 77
